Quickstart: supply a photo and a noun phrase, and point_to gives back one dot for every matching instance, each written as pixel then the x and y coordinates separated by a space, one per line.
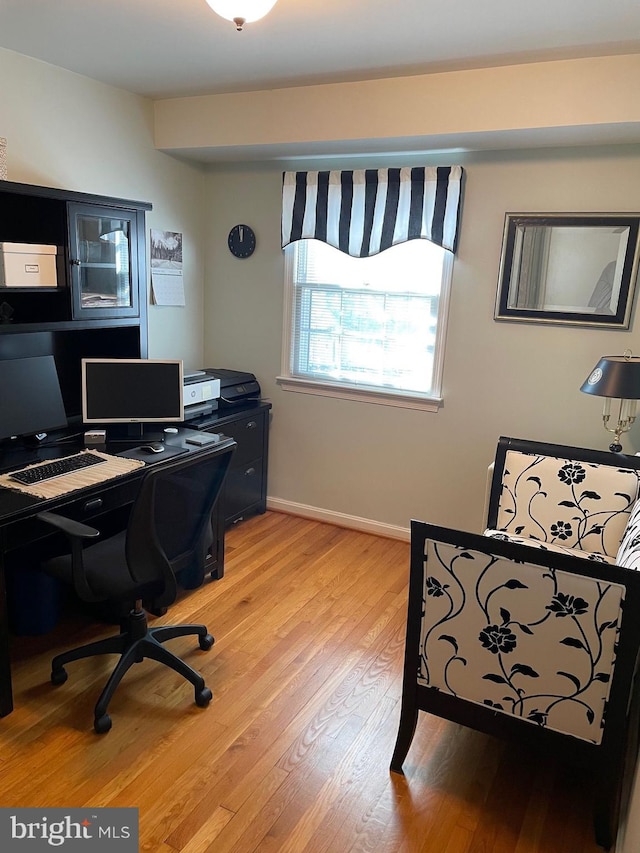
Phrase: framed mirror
pixel 577 268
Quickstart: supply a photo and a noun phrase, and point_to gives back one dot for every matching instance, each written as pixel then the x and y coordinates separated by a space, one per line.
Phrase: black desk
pixel 19 526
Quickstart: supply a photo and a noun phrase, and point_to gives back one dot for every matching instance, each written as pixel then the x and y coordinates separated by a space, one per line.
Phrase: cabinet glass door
pixel 103 259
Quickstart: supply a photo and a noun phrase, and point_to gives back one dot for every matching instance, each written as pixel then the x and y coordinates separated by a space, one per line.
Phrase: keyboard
pixel 57 468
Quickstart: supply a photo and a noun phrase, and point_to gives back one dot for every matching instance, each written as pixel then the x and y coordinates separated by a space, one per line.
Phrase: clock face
pixel 242 241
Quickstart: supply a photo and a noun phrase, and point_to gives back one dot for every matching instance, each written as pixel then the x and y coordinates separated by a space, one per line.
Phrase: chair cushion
pixel 629 551
pixel 561 501
pixel 549 546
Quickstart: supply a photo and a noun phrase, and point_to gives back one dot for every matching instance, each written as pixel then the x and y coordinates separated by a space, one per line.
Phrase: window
pixel 371 325
pixel 368 260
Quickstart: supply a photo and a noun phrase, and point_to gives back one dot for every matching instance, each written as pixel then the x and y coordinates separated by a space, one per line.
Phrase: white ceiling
pixel 165 48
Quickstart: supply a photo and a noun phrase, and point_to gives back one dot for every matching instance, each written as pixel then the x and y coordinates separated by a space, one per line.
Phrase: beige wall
pixel 387 464
pixel 67 131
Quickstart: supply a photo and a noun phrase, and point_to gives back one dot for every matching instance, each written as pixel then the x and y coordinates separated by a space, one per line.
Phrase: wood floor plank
pixel 292 755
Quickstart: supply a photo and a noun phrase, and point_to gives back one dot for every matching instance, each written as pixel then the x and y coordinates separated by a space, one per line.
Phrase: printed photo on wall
pixel 167 287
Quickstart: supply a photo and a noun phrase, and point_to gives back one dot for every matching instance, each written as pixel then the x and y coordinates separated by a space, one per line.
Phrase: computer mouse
pixel 153 447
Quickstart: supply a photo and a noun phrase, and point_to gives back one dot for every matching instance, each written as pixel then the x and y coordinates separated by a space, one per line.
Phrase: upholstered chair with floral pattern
pixel 533 632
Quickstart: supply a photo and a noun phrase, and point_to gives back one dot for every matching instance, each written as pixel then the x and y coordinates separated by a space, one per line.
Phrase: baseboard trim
pixel 354 522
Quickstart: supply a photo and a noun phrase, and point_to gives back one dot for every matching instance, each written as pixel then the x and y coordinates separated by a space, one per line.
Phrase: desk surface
pixel 15 505
pixel 19 526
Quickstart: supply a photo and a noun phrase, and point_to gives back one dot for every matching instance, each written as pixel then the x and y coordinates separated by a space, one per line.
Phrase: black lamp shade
pixel 614 376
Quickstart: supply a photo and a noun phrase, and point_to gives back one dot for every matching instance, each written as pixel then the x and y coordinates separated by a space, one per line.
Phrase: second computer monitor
pixel 132 391
pixel 30 398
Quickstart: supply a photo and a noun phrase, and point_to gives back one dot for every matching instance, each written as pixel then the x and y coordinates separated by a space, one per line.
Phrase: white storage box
pixel 27 265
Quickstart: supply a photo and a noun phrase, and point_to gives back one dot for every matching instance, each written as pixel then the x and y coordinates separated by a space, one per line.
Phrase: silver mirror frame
pixel 543 252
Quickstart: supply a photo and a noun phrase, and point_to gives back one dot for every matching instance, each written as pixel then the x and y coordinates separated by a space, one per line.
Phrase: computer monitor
pixel 31 397
pixel 132 391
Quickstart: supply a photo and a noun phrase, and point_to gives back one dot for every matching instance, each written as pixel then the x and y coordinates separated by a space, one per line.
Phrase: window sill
pixel 362 394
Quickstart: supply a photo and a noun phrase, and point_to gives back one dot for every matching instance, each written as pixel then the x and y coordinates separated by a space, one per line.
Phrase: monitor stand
pixel 133 434
pixel 16 453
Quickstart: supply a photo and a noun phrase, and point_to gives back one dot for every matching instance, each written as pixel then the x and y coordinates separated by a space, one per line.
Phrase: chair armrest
pixel 77 533
pixel 529 633
pixel 69 526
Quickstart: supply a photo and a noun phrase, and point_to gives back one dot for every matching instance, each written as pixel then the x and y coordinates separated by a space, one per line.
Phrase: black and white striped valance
pixel 365 211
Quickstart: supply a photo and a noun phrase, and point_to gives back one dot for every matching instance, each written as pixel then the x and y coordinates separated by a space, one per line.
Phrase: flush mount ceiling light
pixel 241 12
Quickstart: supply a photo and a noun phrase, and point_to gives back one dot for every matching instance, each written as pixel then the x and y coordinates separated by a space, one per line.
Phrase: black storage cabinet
pixel 245 489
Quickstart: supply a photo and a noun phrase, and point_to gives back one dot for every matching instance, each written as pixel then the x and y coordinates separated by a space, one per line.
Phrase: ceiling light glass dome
pixel 241 12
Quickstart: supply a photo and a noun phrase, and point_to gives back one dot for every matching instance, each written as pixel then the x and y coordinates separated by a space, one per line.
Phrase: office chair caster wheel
pixel 206 642
pixel 59 676
pixel 102 724
pixel 203 697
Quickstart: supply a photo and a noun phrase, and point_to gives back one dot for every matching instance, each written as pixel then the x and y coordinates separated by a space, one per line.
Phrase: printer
pixel 200 393
pixel 236 387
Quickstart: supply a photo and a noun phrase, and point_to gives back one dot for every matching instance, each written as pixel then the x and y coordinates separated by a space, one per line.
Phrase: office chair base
pixel 134 644
pixel 206 642
pixel 101 725
pixel 59 676
pixel 203 697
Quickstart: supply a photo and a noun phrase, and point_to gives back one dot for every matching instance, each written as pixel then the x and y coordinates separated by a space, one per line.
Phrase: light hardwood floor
pixel 293 752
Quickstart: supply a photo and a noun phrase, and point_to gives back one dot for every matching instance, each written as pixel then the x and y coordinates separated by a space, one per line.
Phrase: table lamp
pixel 616 377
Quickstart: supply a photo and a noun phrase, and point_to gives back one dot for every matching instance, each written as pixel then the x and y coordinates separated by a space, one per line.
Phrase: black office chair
pixel 168 530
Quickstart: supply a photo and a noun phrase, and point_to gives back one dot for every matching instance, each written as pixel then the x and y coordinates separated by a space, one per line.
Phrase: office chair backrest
pixel 170 523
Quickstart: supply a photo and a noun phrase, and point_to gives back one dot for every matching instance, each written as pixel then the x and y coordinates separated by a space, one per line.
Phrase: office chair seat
pixel 169 526
pixel 114 584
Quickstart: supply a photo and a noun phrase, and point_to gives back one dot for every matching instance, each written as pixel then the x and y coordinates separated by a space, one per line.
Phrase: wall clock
pixel 242 241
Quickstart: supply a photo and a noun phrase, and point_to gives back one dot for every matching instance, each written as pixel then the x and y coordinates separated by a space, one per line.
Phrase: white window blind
pixel 369 323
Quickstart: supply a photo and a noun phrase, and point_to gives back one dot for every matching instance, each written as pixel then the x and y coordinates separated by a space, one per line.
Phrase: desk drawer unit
pixel 245 491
